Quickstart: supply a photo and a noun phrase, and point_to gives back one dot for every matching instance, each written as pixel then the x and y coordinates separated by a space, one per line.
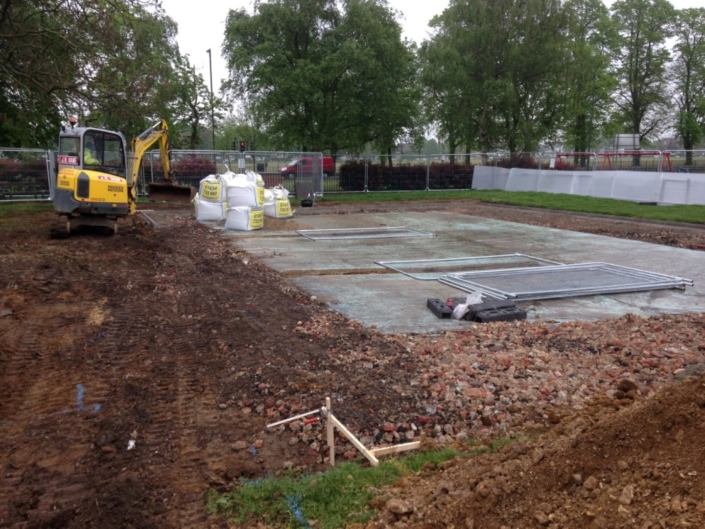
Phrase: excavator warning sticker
pixel 68 160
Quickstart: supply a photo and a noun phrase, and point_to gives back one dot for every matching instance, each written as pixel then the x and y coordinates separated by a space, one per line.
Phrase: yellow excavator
pixel 96 184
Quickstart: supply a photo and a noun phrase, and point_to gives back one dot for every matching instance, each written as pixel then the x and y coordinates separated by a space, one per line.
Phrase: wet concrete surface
pixel 343 273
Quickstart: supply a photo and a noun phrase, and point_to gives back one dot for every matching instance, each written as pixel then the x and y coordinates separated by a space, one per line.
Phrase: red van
pixel 304 167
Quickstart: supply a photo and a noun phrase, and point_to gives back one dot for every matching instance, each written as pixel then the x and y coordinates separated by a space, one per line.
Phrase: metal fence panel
pixel 276 167
pixel 24 174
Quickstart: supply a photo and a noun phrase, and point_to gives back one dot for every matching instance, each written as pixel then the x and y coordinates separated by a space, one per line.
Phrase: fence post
pixel 428 173
pixel 51 172
pixel 660 161
pixel 366 190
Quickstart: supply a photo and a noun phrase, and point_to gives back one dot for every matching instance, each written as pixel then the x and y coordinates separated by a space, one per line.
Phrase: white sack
pixel 209 211
pixel 279 208
pixel 244 218
pixel 243 191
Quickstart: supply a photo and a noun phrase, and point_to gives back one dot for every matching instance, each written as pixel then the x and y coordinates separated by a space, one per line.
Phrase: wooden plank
pixel 385 450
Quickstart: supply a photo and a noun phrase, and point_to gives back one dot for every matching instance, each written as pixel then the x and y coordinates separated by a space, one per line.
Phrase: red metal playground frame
pixel 607 157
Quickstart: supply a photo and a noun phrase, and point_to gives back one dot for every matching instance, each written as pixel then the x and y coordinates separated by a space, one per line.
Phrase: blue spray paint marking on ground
pixel 79 398
pixel 294 506
pixel 79 406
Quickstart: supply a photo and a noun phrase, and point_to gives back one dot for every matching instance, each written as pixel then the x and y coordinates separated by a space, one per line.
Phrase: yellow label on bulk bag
pixel 283 208
pixel 256 218
pixel 210 191
pixel 260 195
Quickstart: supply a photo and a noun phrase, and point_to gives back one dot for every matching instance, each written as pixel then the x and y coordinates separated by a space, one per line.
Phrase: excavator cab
pixel 91 186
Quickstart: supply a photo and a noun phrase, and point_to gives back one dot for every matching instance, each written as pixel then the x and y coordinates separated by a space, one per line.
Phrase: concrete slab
pixel 343 274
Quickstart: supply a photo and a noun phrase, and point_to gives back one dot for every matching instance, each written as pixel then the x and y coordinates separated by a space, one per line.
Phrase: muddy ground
pixel 138 371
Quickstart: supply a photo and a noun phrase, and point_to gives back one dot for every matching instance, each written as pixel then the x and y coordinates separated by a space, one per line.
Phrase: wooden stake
pixel 330 433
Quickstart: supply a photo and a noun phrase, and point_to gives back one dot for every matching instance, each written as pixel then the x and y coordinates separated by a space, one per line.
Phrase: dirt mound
pixel 642 466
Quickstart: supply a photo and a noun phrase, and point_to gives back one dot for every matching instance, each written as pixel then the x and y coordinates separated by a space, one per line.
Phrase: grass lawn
pixel 582 204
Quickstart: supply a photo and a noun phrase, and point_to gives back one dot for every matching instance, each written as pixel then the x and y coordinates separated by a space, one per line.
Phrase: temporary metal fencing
pixel 24 174
pixel 562 281
pixel 434 269
pixel 277 168
pixel 363 233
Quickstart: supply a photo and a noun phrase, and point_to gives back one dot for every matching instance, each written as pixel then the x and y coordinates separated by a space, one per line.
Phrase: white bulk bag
pixel 279 208
pixel 244 218
pixel 209 211
pixel 242 191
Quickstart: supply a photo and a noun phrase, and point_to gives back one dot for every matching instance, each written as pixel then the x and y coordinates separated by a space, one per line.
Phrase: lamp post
pixel 210 68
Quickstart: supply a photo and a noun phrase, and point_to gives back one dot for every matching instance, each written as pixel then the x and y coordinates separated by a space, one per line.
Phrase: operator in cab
pixel 90 153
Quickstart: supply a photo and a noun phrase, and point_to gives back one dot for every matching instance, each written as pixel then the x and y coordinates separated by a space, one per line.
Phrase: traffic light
pixel 242 145
pixel 234 145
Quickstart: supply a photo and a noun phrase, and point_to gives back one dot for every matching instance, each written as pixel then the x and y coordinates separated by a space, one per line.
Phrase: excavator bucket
pixel 166 192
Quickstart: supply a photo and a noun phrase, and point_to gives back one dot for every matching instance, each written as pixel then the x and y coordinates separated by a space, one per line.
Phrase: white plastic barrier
pixel 523 180
pixel 639 186
pixel 483 177
pixel 682 189
pixel 666 188
pixel 556 181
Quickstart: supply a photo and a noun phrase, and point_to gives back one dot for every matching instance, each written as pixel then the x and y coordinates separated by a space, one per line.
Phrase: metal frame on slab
pixel 381 232
pixel 397 265
pixel 602 275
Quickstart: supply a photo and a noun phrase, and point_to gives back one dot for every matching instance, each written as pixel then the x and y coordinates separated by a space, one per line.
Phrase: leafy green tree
pixel 492 73
pixel 113 64
pixel 136 81
pixel 320 75
pixel 688 71
pixel 443 81
pixel 588 81
pixel 640 56
pixel 52 53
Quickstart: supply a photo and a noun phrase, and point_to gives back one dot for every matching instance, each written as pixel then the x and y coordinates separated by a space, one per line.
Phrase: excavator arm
pixel 169 191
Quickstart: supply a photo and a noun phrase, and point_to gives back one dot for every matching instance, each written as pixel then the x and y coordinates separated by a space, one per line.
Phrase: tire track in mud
pixel 47 403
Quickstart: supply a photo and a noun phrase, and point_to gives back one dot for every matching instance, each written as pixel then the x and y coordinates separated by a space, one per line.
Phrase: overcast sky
pixel 202 26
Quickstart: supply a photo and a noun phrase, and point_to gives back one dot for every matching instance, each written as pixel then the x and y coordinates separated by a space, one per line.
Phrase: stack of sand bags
pixel 276 203
pixel 245 196
pixel 211 199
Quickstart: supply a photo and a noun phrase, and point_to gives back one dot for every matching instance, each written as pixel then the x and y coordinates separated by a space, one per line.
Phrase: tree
pixel 588 81
pixel 51 53
pixel 320 77
pixel 113 64
pixel 640 55
pixel 492 71
pixel 688 71
pixel 140 74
